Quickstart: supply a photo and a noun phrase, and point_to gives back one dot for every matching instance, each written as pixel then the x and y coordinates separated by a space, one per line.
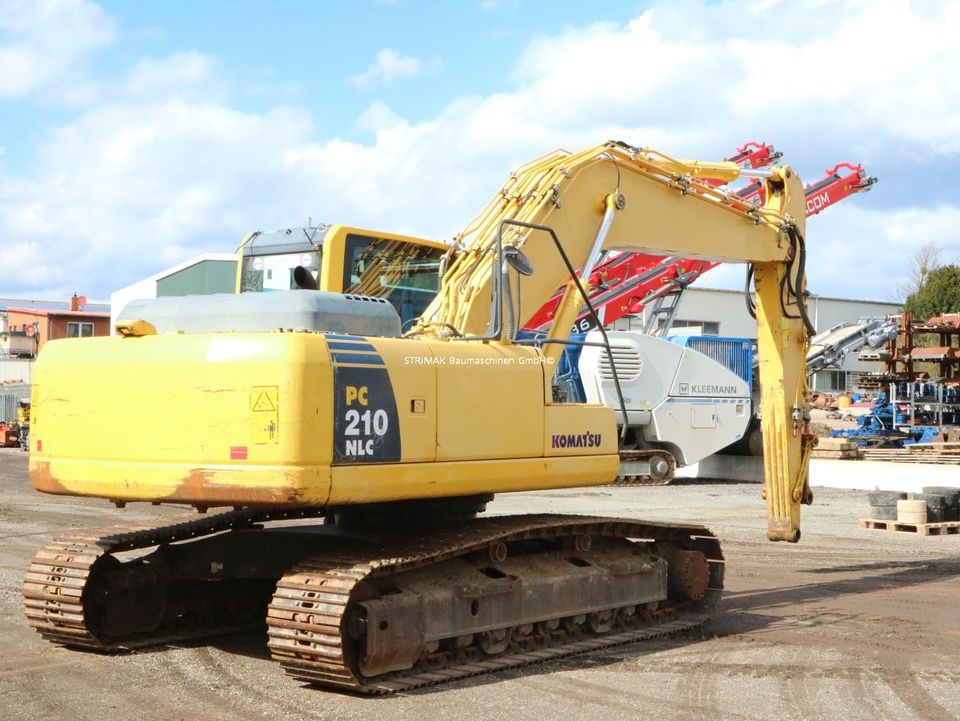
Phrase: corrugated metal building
pixel 10 394
pixel 201 275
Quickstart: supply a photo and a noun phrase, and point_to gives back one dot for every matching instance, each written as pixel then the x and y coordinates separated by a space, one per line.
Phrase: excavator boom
pixel 626 283
pixel 629 276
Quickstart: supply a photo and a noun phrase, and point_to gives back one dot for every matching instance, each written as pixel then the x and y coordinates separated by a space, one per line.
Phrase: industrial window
pixel 832 381
pixel 404 273
pixel 79 330
pixel 707 327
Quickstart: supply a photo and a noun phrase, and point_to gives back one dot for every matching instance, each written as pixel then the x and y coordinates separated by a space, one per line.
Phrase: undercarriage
pixel 377 607
pixel 646 467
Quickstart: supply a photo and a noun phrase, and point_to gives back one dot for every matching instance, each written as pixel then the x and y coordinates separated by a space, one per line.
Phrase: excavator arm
pixel 821 194
pixel 617 197
pixel 624 282
pixel 628 282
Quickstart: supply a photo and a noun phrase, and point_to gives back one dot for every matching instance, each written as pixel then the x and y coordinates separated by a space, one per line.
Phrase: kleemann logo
pixel 575 440
pixel 706 389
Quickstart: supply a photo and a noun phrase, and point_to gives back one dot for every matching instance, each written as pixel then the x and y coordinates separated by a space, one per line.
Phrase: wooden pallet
pixel 941 528
pixel 940 453
pixel 835 448
pixel 828 453
pixel 835 444
pixel 951 448
pixel 903 455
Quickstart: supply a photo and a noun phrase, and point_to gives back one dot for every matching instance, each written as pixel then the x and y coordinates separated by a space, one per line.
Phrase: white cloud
pixel 860 252
pixel 388 65
pixel 151 78
pixel 378 116
pixel 43 41
pixel 186 76
pixel 126 191
pixel 837 69
pixel 865 248
pixel 158 174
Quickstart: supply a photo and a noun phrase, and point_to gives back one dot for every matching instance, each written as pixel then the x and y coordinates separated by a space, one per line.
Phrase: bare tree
pixel 927 258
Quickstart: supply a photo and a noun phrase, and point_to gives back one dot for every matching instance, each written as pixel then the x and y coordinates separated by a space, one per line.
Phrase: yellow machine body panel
pixel 304 419
pixel 218 419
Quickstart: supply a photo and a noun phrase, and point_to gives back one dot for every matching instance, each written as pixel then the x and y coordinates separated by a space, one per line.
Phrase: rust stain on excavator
pixel 42 480
pixel 197 487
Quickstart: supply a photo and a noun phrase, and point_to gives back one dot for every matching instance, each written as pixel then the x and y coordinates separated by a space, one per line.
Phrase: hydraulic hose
pixel 748 299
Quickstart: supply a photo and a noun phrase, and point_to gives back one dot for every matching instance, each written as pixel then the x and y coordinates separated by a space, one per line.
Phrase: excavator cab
pixel 402 269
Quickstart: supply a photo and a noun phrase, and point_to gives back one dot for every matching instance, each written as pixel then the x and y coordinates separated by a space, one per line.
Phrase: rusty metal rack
pixel 906 351
pixel 921 369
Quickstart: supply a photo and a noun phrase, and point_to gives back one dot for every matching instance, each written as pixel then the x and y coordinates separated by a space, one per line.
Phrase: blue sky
pixel 135 135
pixel 302 53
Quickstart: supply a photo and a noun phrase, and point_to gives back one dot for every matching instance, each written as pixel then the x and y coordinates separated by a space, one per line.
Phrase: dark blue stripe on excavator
pixel 358 358
pixel 340 345
pixel 335 336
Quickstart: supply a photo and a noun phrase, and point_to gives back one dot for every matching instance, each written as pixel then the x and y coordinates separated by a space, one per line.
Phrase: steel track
pixel 307 618
pixel 58 587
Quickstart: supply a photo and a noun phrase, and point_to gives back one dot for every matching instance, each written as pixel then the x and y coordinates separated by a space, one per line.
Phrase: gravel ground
pixel 848 623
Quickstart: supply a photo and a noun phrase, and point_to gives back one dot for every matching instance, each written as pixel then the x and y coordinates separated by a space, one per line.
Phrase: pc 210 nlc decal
pixel 366 428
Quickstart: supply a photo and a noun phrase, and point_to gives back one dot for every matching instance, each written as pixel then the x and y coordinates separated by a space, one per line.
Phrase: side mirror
pixel 517 260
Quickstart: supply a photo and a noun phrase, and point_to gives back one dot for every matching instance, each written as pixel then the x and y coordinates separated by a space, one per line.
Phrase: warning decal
pixel 264 415
pixel 264 399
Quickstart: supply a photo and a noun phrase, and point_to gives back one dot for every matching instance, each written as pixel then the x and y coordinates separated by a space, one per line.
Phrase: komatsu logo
pixel 575 440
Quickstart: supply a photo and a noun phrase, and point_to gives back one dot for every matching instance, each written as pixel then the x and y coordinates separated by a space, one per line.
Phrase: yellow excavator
pixel 397 440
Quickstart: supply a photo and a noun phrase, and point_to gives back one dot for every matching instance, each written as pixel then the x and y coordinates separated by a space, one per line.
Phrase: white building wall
pixel 16 371
pixel 140 290
pixel 727 309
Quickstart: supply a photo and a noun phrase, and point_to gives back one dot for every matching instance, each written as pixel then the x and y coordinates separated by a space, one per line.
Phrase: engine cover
pixel 264 312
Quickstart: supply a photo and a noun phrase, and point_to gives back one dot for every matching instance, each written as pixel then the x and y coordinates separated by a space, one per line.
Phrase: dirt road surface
pixel 848 624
